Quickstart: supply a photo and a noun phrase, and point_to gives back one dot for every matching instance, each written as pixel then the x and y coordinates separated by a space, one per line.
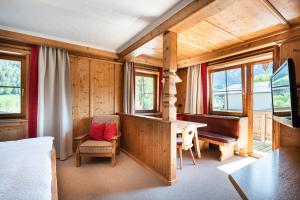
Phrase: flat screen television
pixel 284 94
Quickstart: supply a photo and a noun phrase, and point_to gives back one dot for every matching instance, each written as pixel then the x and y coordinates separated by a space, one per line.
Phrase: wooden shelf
pixel 283 121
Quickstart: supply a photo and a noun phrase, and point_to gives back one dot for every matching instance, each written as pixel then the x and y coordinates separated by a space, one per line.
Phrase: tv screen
pixel 284 93
pixel 281 92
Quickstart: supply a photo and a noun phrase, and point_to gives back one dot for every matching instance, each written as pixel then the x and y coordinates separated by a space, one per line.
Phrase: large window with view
pixel 227 90
pixel 10 86
pixel 146 92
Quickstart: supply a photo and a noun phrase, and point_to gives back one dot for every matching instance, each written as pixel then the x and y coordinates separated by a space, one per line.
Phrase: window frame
pixel 23 61
pixel 243 80
pixel 251 68
pixel 155 76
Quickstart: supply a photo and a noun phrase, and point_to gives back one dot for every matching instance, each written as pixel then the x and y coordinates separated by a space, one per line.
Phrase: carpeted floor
pixel 96 179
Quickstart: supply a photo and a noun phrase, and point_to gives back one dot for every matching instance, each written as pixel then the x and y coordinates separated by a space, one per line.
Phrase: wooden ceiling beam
pixel 181 15
pixel 147 60
pixel 34 40
pixel 254 44
pixel 275 12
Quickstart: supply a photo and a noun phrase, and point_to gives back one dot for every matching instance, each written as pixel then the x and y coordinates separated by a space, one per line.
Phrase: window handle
pixel 22 92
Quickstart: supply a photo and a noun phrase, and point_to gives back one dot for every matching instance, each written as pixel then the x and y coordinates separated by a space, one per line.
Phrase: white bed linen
pixel 25 169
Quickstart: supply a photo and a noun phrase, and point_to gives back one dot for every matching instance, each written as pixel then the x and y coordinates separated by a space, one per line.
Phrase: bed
pixel 28 169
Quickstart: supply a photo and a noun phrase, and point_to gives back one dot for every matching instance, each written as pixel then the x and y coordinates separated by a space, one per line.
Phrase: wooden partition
pixel 152 142
pixel 96 89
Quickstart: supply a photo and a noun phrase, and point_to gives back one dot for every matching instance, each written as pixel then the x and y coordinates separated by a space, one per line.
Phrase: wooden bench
pixel 229 133
pixel 226 144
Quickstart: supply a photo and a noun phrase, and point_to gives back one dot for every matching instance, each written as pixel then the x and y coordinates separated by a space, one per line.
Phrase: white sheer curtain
pixel 194 93
pixel 128 97
pixel 54 99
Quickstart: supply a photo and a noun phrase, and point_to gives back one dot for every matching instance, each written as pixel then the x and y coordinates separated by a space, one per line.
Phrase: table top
pixel 275 176
pixel 182 124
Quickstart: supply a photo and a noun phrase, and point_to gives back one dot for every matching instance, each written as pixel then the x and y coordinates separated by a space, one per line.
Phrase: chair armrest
pixel 117 136
pixel 81 137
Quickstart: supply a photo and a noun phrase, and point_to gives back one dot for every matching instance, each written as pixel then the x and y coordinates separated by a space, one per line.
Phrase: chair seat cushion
pixel 216 137
pixel 94 146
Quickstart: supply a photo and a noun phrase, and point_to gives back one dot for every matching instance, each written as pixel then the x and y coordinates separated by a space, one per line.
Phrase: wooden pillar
pixel 170 67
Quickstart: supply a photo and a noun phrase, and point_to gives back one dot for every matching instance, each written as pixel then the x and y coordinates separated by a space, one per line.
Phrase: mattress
pixel 25 169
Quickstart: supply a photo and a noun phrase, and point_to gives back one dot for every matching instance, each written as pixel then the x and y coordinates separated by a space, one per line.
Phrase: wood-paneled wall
pixel 181 90
pixel 13 129
pixel 96 89
pixel 290 137
pixel 151 142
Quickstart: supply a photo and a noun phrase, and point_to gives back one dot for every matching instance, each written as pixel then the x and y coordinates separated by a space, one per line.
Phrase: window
pixel 11 84
pixel 262 72
pixel 227 87
pixel 146 92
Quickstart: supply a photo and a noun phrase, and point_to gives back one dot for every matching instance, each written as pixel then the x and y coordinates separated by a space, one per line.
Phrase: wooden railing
pixel 152 142
pixel 262 125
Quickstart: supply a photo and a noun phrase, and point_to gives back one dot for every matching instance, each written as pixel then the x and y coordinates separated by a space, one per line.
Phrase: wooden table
pixel 182 124
pixel 275 176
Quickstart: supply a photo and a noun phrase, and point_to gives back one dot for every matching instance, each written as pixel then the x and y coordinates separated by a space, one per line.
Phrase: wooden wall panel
pixel 289 136
pixel 96 89
pixel 13 129
pixel 292 50
pixel 181 90
pixel 102 86
pixel 80 94
pixel 118 88
pixel 151 142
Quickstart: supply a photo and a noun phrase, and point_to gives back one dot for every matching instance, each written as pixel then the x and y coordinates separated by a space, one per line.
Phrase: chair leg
pixel 191 152
pixel 180 155
pixel 113 160
pixel 118 147
pixel 78 159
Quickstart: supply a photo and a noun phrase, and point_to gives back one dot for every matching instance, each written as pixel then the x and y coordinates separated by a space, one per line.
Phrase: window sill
pixel 147 113
pixel 236 114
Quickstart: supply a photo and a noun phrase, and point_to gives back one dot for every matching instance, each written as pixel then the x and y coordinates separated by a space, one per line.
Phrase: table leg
pixel 197 147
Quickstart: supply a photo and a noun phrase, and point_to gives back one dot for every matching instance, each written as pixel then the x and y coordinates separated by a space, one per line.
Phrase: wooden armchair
pixel 95 148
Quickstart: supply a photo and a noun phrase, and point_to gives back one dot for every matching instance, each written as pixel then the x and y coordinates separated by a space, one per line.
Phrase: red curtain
pixel 160 88
pixel 204 86
pixel 33 92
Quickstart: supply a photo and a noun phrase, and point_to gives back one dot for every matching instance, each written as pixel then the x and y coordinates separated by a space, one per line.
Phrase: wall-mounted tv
pixel 284 94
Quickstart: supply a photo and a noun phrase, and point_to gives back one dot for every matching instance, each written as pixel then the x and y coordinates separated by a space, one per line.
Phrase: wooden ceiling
pixel 236 23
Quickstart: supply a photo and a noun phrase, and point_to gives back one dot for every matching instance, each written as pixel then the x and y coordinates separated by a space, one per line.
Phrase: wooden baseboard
pixel 166 181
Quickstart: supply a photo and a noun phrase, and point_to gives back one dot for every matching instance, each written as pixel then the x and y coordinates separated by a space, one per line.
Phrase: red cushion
pixel 110 131
pixel 97 131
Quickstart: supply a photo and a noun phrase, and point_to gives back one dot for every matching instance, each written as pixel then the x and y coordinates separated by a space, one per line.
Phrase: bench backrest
pixel 223 125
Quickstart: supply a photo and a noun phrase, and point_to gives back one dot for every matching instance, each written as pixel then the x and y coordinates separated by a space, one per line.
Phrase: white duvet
pixel 25 169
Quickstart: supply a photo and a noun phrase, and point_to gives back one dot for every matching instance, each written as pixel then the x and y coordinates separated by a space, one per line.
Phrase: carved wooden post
pixel 170 67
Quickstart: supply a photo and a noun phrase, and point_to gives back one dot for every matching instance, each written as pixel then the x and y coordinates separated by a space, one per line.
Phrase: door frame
pixel 249 100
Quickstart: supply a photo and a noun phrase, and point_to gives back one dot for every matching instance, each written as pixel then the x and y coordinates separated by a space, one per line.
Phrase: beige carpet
pixel 96 179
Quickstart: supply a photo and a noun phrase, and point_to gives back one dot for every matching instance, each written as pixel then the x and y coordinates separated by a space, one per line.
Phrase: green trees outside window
pixel 10 86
